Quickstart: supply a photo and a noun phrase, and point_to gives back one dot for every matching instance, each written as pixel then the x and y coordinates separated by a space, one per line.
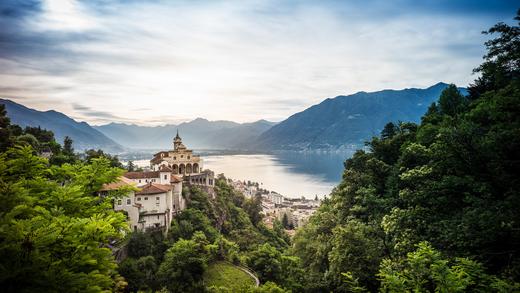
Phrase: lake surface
pixel 292 174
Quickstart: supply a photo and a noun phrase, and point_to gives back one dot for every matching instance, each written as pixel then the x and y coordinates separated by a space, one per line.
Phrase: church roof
pixel 121 182
pixel 139 175
pixel 165 168
pixel 154 188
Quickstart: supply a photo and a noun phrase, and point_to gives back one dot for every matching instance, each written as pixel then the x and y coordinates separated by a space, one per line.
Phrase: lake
pixel 292 174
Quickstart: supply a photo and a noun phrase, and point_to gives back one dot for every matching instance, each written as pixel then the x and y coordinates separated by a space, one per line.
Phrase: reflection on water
pixel 293 174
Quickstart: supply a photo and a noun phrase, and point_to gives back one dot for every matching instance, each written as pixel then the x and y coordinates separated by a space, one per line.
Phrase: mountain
pixel 347 121
pixel 83 135
pixel 199 133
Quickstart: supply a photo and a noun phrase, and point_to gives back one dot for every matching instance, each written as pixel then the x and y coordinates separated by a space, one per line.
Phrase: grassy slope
pixel 222 274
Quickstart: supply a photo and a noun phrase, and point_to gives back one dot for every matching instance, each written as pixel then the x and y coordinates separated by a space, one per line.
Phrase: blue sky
pixel 158 62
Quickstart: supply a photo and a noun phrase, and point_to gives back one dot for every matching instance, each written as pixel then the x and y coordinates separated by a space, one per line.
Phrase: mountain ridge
pixel 83 135
pixel 346 121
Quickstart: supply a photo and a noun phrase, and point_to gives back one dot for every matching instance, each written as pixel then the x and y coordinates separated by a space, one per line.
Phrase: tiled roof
pixel 165 168
pixel 121 182
pixel 138 175
pixel 153 188
pixel 175 179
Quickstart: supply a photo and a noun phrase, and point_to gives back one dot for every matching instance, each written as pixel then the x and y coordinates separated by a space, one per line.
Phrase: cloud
pixel 154 62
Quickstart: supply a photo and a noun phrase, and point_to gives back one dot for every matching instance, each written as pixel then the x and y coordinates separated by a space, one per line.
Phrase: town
pixel 154 195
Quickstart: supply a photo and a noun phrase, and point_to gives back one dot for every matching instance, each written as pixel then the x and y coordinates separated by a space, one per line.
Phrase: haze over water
pixel 291 174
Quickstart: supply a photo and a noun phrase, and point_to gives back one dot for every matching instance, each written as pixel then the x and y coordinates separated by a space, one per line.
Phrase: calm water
pixel 292 174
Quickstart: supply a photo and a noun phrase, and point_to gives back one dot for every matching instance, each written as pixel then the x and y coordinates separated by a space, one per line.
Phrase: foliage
pixel 425 270
pixel 53 228
pixel 183 267
pixel 451 180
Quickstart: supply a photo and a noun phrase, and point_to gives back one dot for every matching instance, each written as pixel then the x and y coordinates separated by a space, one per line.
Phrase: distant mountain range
pixel 339 123
pixel 83 135
pixel 347 121
pixel 199 134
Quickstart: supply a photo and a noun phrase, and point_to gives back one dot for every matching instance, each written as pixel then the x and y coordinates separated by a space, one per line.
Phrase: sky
pixel 165 62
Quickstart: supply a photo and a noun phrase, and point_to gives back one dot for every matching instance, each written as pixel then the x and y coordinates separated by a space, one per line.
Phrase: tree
pixel 130 166
pixel 266 261
pixel 502 60
pixel 93 154
pixel 451 101
pixel 5 134
pixel 183 267
pixel 285 221
pixel 425 270
pixel 68 149
pixel 54 231
pixel 389 130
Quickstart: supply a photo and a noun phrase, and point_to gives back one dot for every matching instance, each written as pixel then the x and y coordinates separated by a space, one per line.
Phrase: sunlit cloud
pixel 241 61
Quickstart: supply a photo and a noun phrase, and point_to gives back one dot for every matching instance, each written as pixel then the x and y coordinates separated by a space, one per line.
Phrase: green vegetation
pixel 434 206
pixel 225 275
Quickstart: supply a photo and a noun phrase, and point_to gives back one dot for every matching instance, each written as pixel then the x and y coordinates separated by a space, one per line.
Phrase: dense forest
pixel 429 207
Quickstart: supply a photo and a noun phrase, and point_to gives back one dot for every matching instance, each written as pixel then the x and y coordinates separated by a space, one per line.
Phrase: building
pixel 152 206
pixel 164 175
pixel 275 197
pixel 204 178
pixel 180 160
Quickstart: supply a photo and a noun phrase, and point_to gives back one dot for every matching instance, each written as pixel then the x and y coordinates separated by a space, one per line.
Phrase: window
pixel 138 199
pixel 146 198
pixel 128 201
pixel 157 198
pixel 175 158
pixel 188 157
pixel 139 180
pixel 119 202
pixel 165 176
pixel 146 180
pixel 182 156
pixel 157 217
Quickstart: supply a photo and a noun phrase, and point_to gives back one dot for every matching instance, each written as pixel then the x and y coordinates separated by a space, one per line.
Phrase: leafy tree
pixel 130 166
pixel 451 101
pixel 502 61
pixel 54 231
pixel 425 270
pixel 266 261
pixel 5 133
pixel 183 267
pixel 94 154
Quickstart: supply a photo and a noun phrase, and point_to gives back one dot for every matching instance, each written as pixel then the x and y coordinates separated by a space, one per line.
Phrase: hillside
pixel 83 135
pixel 199 133
pixel 346 121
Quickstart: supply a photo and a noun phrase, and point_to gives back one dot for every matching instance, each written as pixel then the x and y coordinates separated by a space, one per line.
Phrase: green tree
pixel 5 133
pixel 183 267
pixel 130 166
pixel 425 270
pixel 266 261
pixel 451 101
pixel 54 231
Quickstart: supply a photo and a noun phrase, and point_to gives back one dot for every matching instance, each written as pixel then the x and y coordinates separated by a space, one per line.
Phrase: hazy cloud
pixel 162 61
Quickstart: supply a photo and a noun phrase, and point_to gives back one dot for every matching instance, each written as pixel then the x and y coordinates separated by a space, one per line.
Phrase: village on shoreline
pixel 157 194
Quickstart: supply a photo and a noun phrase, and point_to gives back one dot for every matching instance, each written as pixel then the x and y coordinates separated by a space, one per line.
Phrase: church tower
pixel 177 141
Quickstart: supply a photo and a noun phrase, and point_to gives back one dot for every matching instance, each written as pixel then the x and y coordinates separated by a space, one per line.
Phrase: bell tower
pixel 177 141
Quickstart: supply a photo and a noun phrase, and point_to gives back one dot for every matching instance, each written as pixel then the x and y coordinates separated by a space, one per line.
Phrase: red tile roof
pixel 175 179
pixel 153 188
pixel 121 182
pixel 138 175
pixel 165 168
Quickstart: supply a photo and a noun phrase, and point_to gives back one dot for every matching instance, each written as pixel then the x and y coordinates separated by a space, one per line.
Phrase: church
pixel 180 160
